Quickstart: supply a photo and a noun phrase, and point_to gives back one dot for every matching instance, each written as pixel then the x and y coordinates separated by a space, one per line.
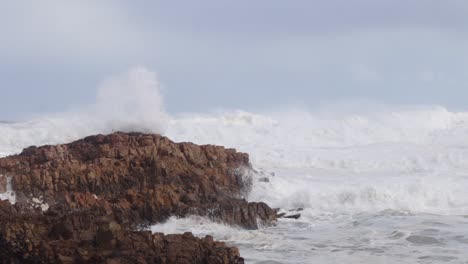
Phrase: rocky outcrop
pixel 139 177
pixel 79 202
pixel 81 237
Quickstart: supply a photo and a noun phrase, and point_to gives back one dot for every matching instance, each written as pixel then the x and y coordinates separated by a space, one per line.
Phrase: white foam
pixel 368 181
pixel 39 203
pixel 9 194
pixel 364 238
pixel 413 158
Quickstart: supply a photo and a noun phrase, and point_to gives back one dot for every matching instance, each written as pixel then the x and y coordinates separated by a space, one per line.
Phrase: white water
pixel 387 186
pixel 7 192
pixel 378 185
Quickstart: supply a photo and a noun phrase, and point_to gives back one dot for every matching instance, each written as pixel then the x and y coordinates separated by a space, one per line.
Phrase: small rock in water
pixel 294 216
pixel 264 179
pixel 291 213
pixel 297 209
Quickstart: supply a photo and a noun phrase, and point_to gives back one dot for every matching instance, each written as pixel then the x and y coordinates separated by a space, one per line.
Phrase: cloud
pixel 363 73
pixel 232 53
pixel 427 76
pixel 67 30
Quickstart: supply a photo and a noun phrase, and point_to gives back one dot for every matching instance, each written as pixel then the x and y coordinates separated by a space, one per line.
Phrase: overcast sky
pixel 241 54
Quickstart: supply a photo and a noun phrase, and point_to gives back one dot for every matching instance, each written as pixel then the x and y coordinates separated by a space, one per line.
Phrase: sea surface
pixel 377 185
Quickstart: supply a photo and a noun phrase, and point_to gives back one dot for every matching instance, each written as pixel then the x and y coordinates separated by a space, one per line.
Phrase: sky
pixel 244 54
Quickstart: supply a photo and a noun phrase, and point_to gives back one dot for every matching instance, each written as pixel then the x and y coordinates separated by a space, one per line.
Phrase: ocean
pixel 378 184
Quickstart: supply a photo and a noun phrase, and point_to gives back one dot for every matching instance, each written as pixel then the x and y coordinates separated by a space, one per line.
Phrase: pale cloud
pixel 363 73
pixel 220 53
pixel 428 76
pixel 67 30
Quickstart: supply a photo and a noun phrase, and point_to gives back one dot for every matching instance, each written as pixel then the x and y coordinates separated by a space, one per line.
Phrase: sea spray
pixel 131 102
pixel 128 102
pixel 6 191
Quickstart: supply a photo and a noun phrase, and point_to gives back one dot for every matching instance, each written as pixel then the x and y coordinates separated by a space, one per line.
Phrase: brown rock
pixel 3 183
pixel 142 177
pixel 24 239
pixel 100 188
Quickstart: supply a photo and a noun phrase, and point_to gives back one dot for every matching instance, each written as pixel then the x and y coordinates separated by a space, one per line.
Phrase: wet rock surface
pixel 83 202
pixel 290 214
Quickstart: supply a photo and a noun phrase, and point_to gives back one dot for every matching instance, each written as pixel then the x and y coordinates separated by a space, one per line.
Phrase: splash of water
pixel 7 193
pixel 128 102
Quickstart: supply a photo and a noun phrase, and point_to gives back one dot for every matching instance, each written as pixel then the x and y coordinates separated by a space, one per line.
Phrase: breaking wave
pixel 409 159
pixel 329 161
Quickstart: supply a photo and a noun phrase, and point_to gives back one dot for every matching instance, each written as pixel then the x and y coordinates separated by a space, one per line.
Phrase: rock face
pixel 79 202
pixel 81 237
